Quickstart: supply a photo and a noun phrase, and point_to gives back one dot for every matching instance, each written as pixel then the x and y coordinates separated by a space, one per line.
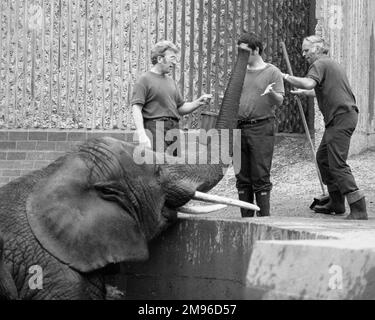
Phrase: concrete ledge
pixel 312 270
pixel 225 257
pixel 200 259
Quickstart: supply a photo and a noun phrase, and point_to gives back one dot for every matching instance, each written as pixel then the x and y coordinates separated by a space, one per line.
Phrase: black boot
pixel 336 204
pixel 357 203
pixel 263 202
pixel 246 195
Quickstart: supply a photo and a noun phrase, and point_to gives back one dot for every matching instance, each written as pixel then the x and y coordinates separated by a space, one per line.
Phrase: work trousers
pixel 157 131
pixel 333 152
pixel 257 147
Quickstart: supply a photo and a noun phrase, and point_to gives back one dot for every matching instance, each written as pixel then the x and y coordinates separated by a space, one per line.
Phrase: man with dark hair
pixel 338 106
pixel 262 93
pixel 157 102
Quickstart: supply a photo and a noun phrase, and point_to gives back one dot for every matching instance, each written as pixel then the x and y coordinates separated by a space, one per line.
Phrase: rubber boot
pixel 336 204
pixel 263 202
pixel 246 195
pixel 357 203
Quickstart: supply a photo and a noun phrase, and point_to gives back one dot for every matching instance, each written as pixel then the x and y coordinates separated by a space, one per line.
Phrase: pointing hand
pixel 269 89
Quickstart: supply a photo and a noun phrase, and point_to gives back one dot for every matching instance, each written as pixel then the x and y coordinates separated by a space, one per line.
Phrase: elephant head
pixel 98 206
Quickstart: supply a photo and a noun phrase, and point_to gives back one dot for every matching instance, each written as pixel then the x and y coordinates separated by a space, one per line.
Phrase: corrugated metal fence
pixel 72 64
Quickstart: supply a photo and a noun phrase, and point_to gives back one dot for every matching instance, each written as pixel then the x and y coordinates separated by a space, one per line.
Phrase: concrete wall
pixel 200 259
pixel 349 26
pixel 223 257
pixel 343 270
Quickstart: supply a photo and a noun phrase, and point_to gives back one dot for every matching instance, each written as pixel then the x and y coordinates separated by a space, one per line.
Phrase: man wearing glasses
pixel 157 102
pixel 328 81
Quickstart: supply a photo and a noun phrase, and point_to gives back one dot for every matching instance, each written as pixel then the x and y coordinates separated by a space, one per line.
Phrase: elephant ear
pixel 78 226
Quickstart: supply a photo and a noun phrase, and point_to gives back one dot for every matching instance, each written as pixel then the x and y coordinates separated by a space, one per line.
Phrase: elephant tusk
pixel 201 210
pixel 221 200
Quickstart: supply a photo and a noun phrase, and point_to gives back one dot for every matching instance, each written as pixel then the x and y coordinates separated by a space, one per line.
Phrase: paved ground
pixel 296 183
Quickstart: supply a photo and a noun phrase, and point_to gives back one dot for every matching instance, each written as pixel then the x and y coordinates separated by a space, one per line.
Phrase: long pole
pixel 290 71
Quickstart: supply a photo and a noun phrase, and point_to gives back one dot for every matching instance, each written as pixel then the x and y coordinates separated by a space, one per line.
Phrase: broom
pixel 324 198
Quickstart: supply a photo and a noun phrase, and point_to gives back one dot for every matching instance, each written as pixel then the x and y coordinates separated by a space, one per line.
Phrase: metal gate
pixel 72 63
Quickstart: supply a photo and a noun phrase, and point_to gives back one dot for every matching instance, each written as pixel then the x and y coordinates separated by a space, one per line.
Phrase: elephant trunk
pixel 227 119
pixel 182 181
pixel 228 114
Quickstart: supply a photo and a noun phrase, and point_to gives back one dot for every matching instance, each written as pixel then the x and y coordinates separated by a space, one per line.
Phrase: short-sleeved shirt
pixel 333 90
pixel 254 106
pixel 158 95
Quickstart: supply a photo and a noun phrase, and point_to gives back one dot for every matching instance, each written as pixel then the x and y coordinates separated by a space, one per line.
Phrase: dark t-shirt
pixel 333 90
pixel 159 96
pixel 252 105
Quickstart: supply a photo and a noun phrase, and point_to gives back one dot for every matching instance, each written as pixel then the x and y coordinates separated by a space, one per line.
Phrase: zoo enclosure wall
pixel 23 151
pixel 71 64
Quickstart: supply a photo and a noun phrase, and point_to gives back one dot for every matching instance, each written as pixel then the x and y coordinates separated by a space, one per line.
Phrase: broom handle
pixel 290 71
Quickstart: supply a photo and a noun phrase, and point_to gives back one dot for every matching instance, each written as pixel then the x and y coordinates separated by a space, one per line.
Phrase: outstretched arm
pixel 302 92
pixel 301 83
pixel 190 107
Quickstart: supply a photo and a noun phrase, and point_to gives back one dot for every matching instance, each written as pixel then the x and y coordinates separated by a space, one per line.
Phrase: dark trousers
pixel 157 131
pixel 333 152
pixel 257 147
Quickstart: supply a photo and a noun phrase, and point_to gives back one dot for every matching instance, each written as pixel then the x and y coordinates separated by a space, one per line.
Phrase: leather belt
pixel 251 121
pixel 164 119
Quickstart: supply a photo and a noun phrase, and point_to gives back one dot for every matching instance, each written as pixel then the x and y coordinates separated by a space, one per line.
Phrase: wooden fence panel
pixel 73 63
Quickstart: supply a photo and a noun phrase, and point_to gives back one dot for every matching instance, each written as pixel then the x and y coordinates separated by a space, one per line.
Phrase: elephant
pixel 62 225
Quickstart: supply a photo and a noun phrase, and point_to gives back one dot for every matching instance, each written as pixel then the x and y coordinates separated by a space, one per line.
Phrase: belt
pixel 164 119
pixel 252 121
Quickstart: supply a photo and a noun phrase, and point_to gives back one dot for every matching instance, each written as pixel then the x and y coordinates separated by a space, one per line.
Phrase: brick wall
pixel 23 151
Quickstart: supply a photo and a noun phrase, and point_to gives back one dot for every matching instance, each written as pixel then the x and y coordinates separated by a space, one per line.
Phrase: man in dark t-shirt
pixel 262 93
pixel 328 82
pixel 157 102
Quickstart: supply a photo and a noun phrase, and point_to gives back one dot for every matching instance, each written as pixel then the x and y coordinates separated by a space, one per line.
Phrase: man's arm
pixel 301 92
pixel 277 97
pixel 138 121
pixel 301 83
pixel 190 107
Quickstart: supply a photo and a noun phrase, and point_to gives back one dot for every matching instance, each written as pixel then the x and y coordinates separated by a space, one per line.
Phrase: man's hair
pixel 319 43
pixel 160 48
pixel 252 40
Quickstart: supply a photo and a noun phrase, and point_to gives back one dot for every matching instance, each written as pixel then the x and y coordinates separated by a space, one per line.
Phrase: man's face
pixel 309 52
pixel 168 62
pixel 253 53
pixel 253 57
